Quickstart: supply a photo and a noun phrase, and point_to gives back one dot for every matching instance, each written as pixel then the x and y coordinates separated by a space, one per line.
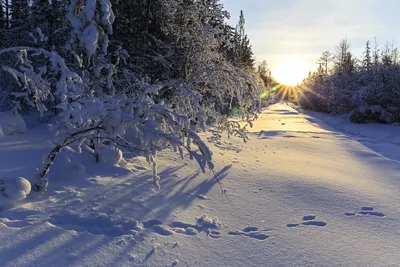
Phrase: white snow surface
pixel 11 124
pixel 307 190
pixel 16 188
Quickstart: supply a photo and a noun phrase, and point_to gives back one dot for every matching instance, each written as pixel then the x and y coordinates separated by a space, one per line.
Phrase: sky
pixel 292 34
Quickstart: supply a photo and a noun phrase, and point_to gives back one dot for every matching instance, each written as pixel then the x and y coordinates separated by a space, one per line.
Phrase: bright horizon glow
pixel 290 71
pixel 303 29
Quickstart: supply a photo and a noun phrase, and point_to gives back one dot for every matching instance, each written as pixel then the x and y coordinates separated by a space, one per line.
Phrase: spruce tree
pixel 367 59
pixel 325 59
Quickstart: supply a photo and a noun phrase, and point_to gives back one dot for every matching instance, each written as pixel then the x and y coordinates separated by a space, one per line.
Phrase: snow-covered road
pixel 307 190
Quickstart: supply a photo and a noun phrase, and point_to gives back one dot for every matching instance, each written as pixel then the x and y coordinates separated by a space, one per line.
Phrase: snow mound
pixel 15 188
pixel 111 155
pixel 76 168
pixel 11 124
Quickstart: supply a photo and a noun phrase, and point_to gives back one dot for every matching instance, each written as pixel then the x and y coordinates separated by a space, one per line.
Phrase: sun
pixel 291 71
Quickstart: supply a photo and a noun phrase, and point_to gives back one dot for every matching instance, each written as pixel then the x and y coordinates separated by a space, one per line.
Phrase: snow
pixel 91 38
pixel 15 188
pixel 308 189
pixel 11 124
pixel 112 155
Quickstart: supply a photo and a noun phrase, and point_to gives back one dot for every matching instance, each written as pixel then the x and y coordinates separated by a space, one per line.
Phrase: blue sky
pixel 291 34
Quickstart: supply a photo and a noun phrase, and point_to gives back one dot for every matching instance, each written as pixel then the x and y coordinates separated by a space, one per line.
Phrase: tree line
pixel 185 40
pixel 368 87
pixel 140 76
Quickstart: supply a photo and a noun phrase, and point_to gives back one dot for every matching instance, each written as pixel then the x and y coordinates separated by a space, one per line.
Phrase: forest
pixel 120 70
pixel 368 88
pixel 154 133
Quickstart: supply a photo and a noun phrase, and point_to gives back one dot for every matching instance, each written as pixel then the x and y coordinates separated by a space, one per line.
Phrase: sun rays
pixel 291 71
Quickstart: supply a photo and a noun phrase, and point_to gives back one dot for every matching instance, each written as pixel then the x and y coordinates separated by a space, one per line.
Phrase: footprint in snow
pixel 213 234
pixel 156 226
pixel 181 228
pixel 366 211
pixel 251 232
pixel 96 224
pixel 184 228
pixel 203 224
pixel 308 220
pixel 20 218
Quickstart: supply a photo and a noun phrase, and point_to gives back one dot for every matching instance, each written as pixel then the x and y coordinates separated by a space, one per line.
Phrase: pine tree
pixel 145 29
pixel 344 61
pixel 7 14
pixel 242 48
pixel 265 73
pixel 325 59
pixel 2 15
pixel 20 11
pixel 367 59
pixel 321 71
pixel 46 15
pixel 389 55
pixel 375 54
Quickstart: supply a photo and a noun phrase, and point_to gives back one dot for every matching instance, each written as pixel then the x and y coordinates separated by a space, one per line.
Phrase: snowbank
pixel 111 155
pixel 11 124
pixel 15 188
pixel 301 192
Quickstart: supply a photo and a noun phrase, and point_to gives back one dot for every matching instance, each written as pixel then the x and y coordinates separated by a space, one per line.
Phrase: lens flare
pixel 264 94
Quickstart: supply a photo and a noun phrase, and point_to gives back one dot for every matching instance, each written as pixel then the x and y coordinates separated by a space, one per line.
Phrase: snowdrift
pixel 11 124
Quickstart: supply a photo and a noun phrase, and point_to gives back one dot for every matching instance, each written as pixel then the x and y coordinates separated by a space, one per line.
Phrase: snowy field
pixel 307 190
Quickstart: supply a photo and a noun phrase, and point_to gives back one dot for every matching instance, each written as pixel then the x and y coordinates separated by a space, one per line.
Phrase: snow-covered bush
pixel 15 188
pixel 370 114
pixel 98 104
pixel 111 155
pixel 313 94
pixel 370 90
pixel 227 87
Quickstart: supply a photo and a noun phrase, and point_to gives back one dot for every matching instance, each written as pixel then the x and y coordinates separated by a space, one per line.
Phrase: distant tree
pixel 344 60
pixel 20 10
pixel 321 71
pixel 242 48
pixel 367 58
pixel 2 15
pixel 324 61
pixel 375 53
pixel 386 55
pixel 265 73
pixel 46 15
pixel 7 15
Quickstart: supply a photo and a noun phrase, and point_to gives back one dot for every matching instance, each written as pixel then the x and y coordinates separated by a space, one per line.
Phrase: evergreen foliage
pixel 139 76
pixel 368 89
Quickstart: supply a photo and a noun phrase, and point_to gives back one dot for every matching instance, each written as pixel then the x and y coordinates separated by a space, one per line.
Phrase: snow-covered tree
pixel 325 60
pixel 370 91
pixel 104 103
pixel 242 48
pixel 89 108
pixel 367 57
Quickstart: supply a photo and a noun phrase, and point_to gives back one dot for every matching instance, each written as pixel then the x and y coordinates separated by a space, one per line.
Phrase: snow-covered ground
pixel 307 190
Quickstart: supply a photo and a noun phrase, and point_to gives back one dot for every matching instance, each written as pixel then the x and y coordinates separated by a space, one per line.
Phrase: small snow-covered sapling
pixel 15 188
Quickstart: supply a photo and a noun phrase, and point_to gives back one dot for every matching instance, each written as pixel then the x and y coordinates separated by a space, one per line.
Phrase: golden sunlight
pixel 291 71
